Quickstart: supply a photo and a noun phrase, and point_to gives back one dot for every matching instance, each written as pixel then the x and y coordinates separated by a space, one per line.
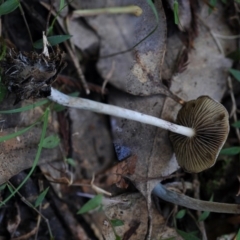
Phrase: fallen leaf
pixel 138 71
pixel 205 75
pixel 132 211
pixel 116 174
pixel 91 143
pixel 19 153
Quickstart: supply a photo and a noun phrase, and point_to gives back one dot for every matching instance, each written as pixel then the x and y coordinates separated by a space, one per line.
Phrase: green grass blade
pixel 236 124
pixel 91 204
pixel 3 186
pixel 18 133
pixel 53 40
pixel 25 108
pixel 51 141
pixel 176 12
pixel 230 151
pixel 181 214
pixel 235 73
pixel 212 6
pixel 8 6
pixel 33 105
pixel 62 5
pixel 41 197
pixel 238 235
pixel 71 162
pixel 117 222
pixel 187 236
pixel 205 214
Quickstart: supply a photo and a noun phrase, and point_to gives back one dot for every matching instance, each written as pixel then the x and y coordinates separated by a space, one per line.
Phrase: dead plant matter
pixel 30 75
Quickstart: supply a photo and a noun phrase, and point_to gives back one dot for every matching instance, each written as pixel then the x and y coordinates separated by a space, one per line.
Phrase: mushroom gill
pixel 209 119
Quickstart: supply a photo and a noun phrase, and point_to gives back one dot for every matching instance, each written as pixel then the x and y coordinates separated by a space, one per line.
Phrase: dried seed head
pixel 209 119
pixel 30 75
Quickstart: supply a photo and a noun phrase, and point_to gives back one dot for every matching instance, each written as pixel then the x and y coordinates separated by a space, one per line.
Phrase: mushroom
pixel 196 141
pixel 209 119
pixel 201 130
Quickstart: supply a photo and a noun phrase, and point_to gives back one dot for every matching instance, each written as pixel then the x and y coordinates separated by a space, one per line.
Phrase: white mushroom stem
pixel 108 109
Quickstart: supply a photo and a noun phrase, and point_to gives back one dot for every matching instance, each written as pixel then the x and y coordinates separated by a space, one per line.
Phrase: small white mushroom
pixel 201 130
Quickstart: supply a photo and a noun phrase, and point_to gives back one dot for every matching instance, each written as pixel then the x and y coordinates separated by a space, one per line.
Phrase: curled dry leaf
pixel 123 169
pixel 19 153
pixel 131 210
pixel 91 143
pixel 138 71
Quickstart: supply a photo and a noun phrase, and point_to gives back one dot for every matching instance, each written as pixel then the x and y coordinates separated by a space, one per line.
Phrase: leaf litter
pixel 142 71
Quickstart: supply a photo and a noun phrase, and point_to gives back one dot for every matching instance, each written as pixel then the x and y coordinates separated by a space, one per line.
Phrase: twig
pixel 25 21
pixel 97 189
pixel 133 9
pixel 78 68
pixel 196 195
pixel 191 203
pixel 227 37
pixel 40 207
pixel 109 75
pixel 213 35
pixel 27 235
pixel 35 209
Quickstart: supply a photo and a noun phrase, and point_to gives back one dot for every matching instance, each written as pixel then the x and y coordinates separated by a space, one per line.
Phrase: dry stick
pixel 109 75
pixel 40 207
pixel 72 54
pixel 196 195
pixel 231 37
pixel 213 35
pixel 108 109
pixel 72 51
pixel 35 209
pixel 27 235
pixel 188 202
pixel 132 9
pixel 234 107
pixel 25 21
pixel 78 68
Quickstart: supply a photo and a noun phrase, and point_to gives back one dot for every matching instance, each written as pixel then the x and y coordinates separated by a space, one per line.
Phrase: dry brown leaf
pixel 116 174
pixel 205 75
pixel 131 209
pixel 91 143
pixel 137 71
pixel 19 153
pixel 151 145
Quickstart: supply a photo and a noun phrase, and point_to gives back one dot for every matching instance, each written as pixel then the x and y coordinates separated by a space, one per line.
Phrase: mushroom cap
pixel 209 119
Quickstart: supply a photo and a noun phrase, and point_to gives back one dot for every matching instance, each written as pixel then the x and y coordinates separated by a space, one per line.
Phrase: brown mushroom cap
pixel 209 119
